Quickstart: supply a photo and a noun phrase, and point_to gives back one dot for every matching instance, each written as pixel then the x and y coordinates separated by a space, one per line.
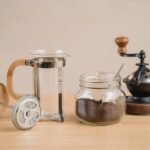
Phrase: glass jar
pixel 100 100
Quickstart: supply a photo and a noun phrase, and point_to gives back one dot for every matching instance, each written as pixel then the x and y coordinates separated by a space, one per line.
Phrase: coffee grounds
pixel 94 111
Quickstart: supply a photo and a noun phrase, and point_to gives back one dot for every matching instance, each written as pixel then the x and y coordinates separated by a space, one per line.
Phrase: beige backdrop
pixel 84 28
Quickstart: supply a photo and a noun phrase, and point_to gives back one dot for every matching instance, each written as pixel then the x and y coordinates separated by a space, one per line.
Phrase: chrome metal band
pixel 46 62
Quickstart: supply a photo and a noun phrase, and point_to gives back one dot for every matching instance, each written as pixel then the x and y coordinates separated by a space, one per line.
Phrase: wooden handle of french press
pixel 122 42
pixel 10 73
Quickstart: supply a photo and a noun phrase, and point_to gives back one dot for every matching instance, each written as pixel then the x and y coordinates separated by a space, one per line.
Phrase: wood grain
pixel 10 73
pixel 132 133
pixel 122 42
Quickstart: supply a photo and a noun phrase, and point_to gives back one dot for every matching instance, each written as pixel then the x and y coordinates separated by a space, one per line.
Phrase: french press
pixel 48 79
pixel 138 82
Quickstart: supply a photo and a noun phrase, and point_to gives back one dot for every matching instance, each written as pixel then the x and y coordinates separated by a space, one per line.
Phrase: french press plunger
pixel 25 113
pixel 48 81
pixel 138 82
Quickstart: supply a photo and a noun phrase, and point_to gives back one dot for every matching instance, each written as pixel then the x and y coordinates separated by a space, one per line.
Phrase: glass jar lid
pixel 100 80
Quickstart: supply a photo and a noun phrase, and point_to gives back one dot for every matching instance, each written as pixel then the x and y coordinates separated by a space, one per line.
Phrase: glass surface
pixel 48 82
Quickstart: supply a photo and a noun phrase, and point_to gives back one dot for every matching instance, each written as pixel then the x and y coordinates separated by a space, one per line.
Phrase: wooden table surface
pixel 132 133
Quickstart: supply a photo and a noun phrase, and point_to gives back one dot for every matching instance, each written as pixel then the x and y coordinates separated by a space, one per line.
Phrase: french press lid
pixel 48 58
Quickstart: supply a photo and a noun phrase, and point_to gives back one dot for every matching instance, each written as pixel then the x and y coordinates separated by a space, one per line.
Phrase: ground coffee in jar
pixel 90 108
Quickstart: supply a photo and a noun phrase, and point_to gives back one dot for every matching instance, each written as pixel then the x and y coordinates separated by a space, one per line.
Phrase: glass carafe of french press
pixel 48 72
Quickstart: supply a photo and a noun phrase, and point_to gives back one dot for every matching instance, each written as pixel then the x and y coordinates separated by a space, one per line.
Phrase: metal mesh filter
pixel 26 113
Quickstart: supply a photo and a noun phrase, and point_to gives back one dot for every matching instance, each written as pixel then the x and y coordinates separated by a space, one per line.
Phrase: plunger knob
pixel 122 42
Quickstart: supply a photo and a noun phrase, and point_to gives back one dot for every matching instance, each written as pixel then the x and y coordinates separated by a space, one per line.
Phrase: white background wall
pixel 84 28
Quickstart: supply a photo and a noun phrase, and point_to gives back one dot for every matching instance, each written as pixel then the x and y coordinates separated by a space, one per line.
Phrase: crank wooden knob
pixel 122 42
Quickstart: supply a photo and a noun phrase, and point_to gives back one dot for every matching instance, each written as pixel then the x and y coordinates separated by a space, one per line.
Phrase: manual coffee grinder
pixel 138 82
